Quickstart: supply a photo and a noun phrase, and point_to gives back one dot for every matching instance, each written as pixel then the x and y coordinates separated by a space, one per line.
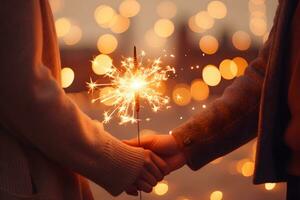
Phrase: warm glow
pixel 217 9
pixel 193 26
pixel 270 186
pixel 209 44
pixel 241 40
pixel 166 9
pixel 228 69
pixel 199 90
pixel 242 64
pixel 67 77
pixel 102 64
pixel 265 37
pixel 103 15
pixel 211 75
pixel 119 24
pixel 181 95
pixel 216 195
pixel 204 20
pixel 62 26
pixel 74 36
pixel 56 5
pixel 161 188
pixel 107 43
pixel 153 40
pixel 129 8
pixel 104 92
pixel 248 168
pixel 164 28
pixel 258 26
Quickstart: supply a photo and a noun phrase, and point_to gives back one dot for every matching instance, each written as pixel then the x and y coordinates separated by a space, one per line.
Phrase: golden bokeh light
pixel 204 20
pixel 242 64
pixel 119 24
pixel 62 26
pixel 217 9
pixel 193 26
pixel 129 8
pixel 67 77
pixel 216 195
pixel 104 15
pixel 161 188
pixel 166 9
pixel 211 75
pixel 181 95
pixel 209 44
pixel 241 40
pixel 107 43
pixel 248 169
pixel 101 64
pixel 74 35
pixel 153 40
pixel 228 69
pixel 270 186
pixel 164 28
pixel 258 26
pixel 199 90
pixel 105 91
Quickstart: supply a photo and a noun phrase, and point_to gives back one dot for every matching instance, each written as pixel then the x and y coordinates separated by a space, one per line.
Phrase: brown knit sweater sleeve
pixel 35 108
pixel 228 122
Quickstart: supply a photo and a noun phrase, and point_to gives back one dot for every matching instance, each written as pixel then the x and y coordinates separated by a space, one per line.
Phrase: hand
pixel 153 171
pixel 164 146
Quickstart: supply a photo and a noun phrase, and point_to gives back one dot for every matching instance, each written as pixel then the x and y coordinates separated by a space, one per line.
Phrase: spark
pixel 127 82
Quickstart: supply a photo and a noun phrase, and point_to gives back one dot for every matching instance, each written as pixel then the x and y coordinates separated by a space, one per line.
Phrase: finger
pixel 154 170
pixel 145 141
pixel 132 190
pixel 149 178
pixel 175 162
pixel 143 186
pixel 161 164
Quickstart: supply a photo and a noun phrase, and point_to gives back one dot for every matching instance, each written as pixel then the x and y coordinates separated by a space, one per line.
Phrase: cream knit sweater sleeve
pixel 35 108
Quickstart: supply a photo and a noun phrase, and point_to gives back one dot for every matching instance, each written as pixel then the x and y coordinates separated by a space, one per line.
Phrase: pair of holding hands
pixel 162 156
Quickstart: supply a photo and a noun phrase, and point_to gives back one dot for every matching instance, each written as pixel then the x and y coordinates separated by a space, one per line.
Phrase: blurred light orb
pixel 105 91
pixel 217 9
pixel 242 64
pixel 107 43
pixel 204 20
pixel 199 90
pixel 166 9
pixel 193 26
pixel 181 95
pixel 164 28
pixel 211 75
pixel 74 35
pixel 248 169
pixel 254 6
pixel 161 188
pixel 153 40
pixel 67 77
pixel 119 24
pixel 62 26
pixel 228 69
pixel 216 195
pixel 241 40
pixel 101 64
pixel 129 8
pixel 103 15
pixel 258 26
pixel 209 44
pixel 270 186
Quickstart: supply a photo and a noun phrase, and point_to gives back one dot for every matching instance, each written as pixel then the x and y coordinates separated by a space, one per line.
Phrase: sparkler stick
pixel 137 105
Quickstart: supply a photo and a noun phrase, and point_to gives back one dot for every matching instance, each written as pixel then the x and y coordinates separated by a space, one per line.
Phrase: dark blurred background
pixel 209 42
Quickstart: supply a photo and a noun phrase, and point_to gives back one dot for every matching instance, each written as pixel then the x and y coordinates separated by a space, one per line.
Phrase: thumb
pixel 145 141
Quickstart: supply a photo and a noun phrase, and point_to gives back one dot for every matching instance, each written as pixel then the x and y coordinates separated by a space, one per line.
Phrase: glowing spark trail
pixel 128 83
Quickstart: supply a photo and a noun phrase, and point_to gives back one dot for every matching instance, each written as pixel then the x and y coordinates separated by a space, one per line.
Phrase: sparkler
pixel 133 82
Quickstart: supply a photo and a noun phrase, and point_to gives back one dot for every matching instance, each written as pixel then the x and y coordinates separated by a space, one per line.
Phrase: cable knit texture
pixel 47 144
